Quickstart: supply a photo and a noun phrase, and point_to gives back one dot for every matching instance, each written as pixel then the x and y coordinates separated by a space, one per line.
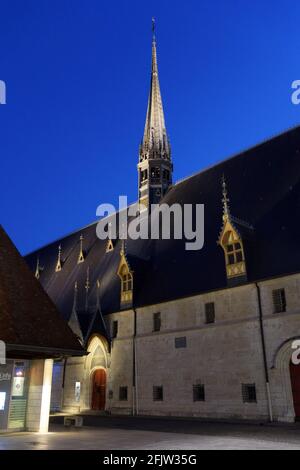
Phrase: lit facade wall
pixel 222 356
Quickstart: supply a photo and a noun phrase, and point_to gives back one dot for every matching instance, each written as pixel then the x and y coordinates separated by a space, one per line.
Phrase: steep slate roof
pixel 30 324
pixel 264 190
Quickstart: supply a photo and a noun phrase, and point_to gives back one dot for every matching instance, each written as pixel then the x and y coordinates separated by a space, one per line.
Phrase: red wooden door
pixel 99 389
pixel 295 379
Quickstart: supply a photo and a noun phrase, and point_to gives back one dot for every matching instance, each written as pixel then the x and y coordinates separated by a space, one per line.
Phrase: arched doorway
pixel 98 389
pixel 285 383
pixel 295 380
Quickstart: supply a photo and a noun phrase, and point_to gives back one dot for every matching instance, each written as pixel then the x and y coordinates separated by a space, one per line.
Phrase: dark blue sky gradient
pixel 77 75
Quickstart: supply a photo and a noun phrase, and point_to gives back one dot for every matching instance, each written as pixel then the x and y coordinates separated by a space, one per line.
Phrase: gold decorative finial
pixel 37 269
pixel 81 253
pixel 58 264
pixel 225 200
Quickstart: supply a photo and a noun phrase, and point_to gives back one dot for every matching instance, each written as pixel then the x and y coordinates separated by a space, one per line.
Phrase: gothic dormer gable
pixel 231 241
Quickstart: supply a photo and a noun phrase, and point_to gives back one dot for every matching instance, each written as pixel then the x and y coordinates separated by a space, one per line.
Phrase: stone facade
pixel 220 356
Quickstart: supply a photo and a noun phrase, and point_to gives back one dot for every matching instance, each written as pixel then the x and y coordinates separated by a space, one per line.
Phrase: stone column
pixel 39 395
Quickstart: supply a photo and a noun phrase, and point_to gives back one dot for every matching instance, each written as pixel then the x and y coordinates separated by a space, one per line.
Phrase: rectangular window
pixel 123 394
pixel 249 393
pixel 156 321
pixel 158 393
pixel 279 300
pixel 110 394
pixel 198 392
pixel 210 312
pixel 115 326
pixel 180 342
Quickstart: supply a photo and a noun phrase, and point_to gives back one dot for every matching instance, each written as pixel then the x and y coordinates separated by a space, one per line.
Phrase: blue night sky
pixel 77 75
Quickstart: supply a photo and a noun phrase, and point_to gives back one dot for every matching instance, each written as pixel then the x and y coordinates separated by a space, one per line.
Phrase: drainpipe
pixel 134 371
pixel 263 341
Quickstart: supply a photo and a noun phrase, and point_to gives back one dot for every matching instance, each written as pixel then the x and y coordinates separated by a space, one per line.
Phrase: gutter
pixel 263 341
pixel 45 350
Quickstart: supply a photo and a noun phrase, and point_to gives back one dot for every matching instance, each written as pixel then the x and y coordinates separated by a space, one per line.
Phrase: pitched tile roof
pixel 264 189
pixel 29 320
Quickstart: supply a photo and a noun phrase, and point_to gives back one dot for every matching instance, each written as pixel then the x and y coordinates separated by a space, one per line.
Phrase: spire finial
pixel 58 264
pixel 153 28
pixel 87 282
pixel 87 288
pixel 75 296
pixel 98 294
pixel 81 252
pixel 225 200
pixel 37 269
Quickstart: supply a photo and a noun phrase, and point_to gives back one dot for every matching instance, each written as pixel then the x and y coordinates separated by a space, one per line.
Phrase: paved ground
pixel 153 434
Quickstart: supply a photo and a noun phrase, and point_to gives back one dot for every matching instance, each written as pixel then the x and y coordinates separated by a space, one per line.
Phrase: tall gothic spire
pixel 155 167
pixel 155 141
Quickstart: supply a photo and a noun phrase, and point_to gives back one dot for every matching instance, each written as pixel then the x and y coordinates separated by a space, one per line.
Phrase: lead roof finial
pixel 81 252
pixel 87 288
pixel 37 269
pixel 58 264
pixel 75 296
pixel 225 199
pixel 98 294
pixel 87 282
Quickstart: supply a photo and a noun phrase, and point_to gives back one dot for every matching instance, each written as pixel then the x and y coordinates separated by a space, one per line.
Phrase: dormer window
pixel 126 276
pixel 234 253
pixel 126 284
pixel 234 250
pixel 231 241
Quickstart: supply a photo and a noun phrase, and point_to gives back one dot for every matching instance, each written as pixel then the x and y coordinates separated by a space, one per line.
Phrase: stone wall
pixel 221 356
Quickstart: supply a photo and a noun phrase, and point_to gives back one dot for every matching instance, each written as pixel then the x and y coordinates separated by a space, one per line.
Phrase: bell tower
pixel 155 166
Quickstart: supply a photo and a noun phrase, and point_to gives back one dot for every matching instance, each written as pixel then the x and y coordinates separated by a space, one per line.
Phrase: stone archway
pixel 97 360
pixel 281 378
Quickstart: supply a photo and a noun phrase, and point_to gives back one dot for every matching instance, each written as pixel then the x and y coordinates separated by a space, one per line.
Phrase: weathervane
pixel 153 28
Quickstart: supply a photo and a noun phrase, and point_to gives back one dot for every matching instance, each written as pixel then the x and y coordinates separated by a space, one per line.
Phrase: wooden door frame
pixel 294 369
pixel 92 373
